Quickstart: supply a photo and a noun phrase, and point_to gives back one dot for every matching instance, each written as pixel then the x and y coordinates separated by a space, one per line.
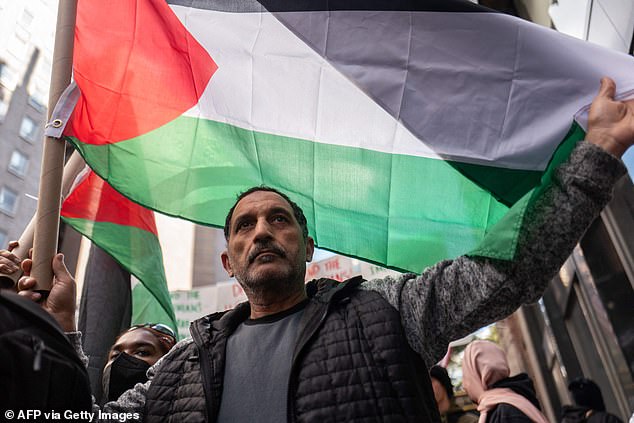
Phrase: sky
pixel 628 158
pixel 572 16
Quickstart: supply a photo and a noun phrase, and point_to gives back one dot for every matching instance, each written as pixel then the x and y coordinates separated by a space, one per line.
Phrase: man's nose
pixel 263 230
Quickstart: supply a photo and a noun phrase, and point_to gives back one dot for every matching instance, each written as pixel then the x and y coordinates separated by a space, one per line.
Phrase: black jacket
pixel 506 413
pixel 351 363
pixel 577 414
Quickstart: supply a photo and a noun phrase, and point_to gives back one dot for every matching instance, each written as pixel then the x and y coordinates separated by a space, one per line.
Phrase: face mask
pixel 122 374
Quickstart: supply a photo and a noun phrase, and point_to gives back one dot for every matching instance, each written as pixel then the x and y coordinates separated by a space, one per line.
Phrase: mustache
pixel 266 247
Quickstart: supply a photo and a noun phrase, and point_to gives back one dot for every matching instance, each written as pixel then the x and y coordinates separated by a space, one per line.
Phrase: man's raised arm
pixel 456 297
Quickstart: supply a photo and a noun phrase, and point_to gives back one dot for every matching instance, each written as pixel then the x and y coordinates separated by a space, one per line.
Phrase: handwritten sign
pixel 196 303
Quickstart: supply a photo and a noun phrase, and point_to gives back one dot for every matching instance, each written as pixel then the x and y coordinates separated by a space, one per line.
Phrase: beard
pixel 276 280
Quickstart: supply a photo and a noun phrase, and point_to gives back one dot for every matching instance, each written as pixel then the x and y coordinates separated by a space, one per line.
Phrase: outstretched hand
pixel 9 262
pixel 60 302
pixel 611 122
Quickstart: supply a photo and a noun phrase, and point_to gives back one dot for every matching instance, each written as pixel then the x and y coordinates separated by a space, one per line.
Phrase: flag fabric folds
pixel 127 232
pixel 104 311
pixel 406 130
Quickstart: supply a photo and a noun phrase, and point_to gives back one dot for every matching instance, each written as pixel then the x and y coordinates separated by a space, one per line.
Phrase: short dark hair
pixel 297 211
pixel 586 393
pixel 164 334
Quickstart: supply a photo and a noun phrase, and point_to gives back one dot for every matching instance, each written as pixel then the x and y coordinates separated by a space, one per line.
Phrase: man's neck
pixel 261 307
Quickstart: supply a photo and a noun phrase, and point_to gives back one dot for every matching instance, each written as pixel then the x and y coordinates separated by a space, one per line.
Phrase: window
pixel 28 129
pixel 5 100
pixel 18 46
pixel 18 163
pixel 38 96
pixel 3 239
pixel 8 77
pixel 4 108
pixel 8 200
pixel 26 19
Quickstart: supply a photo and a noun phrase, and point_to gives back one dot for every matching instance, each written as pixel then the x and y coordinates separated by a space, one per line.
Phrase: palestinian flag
pixel 404 129
pixel 127 232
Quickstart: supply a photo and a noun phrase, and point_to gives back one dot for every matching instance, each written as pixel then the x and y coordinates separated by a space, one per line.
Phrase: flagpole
pixel 49 198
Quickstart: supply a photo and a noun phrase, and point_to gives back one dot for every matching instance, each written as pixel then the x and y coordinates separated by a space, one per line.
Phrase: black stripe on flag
pixel 253 6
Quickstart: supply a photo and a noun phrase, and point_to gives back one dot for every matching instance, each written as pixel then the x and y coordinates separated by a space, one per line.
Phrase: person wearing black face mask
pixel 134 351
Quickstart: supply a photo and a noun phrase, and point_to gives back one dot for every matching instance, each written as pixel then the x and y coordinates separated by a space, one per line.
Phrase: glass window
pixel 28 129
pixel 8 200
pixel 38 97
pixel 18 46
pixel 18 163
pixel 8 77
pixel 4 108
pixel 26 19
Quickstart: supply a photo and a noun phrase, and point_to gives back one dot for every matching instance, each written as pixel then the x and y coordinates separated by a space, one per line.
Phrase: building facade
pixel 584 324
pixel 27 30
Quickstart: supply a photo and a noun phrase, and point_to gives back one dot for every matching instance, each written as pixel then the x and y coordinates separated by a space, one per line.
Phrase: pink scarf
pixel 483 364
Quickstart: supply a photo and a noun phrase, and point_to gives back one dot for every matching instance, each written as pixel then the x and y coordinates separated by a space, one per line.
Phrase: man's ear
pixel 226 263
pixel 310 248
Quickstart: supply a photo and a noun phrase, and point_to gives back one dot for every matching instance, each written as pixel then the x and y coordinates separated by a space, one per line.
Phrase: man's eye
pixel 243 225
pixel 280 219
pixel 142 353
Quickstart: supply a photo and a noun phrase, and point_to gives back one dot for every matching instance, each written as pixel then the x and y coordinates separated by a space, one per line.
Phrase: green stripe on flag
pixel 508 227
pixel 147 310
pixel 121 242
pixel 366 204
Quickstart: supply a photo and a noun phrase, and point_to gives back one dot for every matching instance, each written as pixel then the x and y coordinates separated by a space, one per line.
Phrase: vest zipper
pixel 205 370
pixel 38 347
pixel 290 416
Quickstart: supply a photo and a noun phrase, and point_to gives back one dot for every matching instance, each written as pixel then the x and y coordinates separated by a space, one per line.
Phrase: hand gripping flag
pixel 406 130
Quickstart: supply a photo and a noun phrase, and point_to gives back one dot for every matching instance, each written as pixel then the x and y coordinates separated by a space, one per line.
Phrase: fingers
pixel 9 263
pixel 607 88
pixel 8 267
pixel 10 256
pixel 25 285
pixel 13 245
pixel 59 269
pixel 31 295
pixel 26 265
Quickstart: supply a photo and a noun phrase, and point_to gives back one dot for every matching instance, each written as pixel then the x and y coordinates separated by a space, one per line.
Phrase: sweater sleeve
pixel 456 297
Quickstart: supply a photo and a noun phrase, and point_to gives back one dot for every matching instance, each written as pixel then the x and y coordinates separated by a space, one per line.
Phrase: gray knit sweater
pixel 456 297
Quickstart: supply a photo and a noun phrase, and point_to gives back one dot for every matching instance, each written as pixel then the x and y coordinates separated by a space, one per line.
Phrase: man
pixel 450 412
pixel 589 406
pixel 355 351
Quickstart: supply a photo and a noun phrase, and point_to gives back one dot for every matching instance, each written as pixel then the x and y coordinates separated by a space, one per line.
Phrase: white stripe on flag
pixel 269 80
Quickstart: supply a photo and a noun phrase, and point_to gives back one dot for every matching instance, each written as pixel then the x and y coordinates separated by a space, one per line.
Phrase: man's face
pixel 266 249
pixel 138 343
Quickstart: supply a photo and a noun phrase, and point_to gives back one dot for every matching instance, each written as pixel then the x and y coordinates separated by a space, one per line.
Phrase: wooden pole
pixel 49 197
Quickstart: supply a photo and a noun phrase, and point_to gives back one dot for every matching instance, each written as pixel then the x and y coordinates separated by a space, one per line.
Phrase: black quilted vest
pixel 351 364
